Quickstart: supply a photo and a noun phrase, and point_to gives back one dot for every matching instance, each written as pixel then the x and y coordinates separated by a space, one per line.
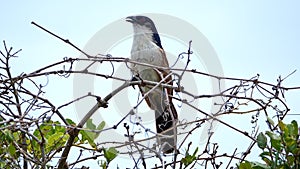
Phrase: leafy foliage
pixel 188 159
pixel 281 151
pixel 8 149
pixel 109 154
pixel 90 136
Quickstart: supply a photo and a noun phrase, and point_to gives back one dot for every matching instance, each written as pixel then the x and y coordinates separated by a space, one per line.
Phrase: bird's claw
pixel 134 78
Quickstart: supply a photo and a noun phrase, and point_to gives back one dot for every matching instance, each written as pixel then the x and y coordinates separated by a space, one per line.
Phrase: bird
pixel 147 49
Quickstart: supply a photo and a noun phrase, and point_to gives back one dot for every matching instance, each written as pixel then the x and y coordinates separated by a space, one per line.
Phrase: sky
pixel 249 37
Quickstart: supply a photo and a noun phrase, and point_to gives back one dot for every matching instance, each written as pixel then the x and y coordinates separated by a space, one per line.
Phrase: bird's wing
pixel 157 75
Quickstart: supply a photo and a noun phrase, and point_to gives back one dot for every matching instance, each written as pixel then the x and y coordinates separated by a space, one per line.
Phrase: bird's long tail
pixel 166 128
pixel 166 119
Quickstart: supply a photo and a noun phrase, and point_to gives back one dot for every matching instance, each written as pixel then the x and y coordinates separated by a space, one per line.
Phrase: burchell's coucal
pixel 147 48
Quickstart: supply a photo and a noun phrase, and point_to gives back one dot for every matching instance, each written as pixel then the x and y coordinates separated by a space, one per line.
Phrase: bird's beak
pixel 131 19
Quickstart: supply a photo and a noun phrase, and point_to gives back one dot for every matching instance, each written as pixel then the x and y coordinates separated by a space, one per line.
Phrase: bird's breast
pixel 146 51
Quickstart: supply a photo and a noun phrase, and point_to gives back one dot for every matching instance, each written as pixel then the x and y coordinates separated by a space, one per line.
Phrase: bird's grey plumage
pixel 147 48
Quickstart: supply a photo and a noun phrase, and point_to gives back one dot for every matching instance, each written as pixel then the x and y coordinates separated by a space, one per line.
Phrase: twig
pixel 64 40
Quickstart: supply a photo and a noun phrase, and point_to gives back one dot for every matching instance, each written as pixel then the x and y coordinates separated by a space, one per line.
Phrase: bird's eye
pixel 141 19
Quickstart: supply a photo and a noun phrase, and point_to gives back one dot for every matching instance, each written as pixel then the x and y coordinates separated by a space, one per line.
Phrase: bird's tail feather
pixel 166 128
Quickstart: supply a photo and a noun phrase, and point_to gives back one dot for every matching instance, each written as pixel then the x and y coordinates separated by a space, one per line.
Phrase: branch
pixel 74 132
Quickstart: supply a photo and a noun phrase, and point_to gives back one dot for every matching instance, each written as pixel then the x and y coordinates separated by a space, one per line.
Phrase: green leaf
pixel 271 121
pixel 293 129
pixel 257 165
pixel 56 140
pixel 37 133
pixel 99 127
pixel 291 144
pixel 290 160
pixel 12 150
pixel 8 136
pixel 70 122
pixel 272 135
pixel 195 152
pixel 289 136
pixel 261 141
pixel 110 154
pixel 88 136
pixel 245 165
pixel 188 159
pixel 276 144
pixel 281 125
pixel 103 164
pixel 267 161
pixel 58 127
pixel 252 165
pixel 46 128
pixel 275 140
pixel 91 136
pixel 16 135
pixel 90 124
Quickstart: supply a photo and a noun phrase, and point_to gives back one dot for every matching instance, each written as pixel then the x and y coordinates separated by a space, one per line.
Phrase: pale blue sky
pixel 249 37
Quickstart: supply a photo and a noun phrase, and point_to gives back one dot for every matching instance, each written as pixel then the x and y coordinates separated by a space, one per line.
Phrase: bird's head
pixel 143 25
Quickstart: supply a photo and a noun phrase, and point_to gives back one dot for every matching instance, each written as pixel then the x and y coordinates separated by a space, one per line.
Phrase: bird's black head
pixel 143 24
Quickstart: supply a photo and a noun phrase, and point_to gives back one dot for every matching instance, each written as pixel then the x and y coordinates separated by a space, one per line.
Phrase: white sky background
pixel 249 37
